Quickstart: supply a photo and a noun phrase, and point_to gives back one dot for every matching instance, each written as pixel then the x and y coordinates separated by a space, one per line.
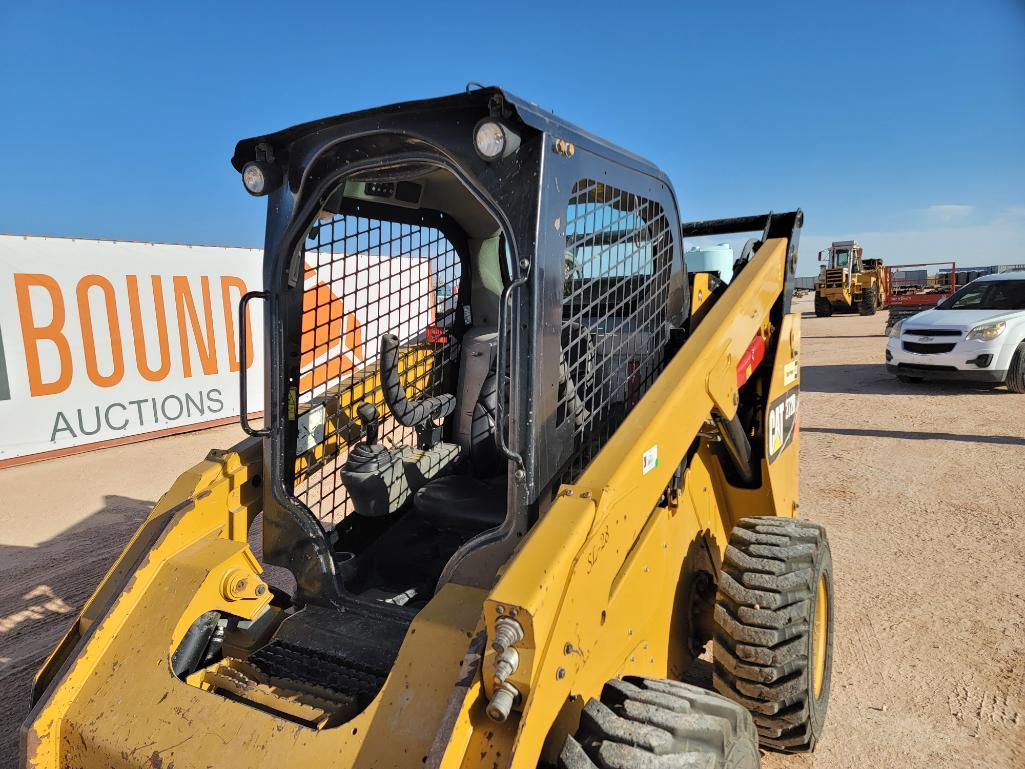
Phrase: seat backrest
pixel 476 410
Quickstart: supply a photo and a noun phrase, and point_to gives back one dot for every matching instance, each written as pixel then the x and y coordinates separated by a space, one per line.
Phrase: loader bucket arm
pixel 610 543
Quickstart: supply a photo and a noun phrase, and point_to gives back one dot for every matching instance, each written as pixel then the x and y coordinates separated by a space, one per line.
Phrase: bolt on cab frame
pixel 507 449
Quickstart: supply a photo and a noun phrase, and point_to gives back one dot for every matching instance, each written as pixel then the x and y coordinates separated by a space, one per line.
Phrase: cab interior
pixel 404 467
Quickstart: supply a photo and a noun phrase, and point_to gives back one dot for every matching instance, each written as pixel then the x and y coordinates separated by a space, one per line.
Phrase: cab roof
pixel 529 113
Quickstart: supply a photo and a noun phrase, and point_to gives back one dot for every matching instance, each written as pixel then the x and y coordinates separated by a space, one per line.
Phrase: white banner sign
pixel 101 341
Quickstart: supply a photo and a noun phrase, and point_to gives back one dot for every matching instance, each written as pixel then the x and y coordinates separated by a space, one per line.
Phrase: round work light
pixel 494 140
pixel 260 177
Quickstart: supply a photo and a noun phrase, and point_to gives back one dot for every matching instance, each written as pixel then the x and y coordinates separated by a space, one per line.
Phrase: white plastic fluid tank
pixel 717 258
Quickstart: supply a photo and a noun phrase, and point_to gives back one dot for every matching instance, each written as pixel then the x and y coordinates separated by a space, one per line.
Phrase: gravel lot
pixel 921 487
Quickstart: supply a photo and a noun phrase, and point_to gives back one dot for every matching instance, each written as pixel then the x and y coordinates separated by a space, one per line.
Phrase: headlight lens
pixel 895 328
pixel 254 179
pixel 490 140
pixel 494 139
pixel 987 331
pixel 260 177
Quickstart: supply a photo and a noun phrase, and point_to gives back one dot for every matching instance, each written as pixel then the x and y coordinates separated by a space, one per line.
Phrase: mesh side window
pixel 364 278
pixel 615 327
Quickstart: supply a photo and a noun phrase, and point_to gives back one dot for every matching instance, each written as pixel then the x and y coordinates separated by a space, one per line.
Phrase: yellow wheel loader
pixel 850 283
pixel 517 471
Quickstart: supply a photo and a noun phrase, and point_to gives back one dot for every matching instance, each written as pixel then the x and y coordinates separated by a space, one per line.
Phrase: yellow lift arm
pixel 607 546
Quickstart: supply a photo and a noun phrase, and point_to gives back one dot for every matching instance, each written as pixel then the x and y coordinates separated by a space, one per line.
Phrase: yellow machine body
pixel 847 276
pixel 595 585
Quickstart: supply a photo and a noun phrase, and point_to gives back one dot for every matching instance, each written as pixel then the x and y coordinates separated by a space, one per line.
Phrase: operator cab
pixel 464 298
pixel 844 254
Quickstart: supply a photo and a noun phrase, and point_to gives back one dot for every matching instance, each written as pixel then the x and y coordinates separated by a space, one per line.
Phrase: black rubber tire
pixel 869 301
pixel 1016 371
pixel 764 640
pixel 909 379
pixel 652 723
pixel 823 307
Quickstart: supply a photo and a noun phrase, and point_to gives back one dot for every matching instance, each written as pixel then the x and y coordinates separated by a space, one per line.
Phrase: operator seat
pixel 474 501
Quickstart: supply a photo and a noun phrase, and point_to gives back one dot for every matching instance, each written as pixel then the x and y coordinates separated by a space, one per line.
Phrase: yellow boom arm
pixel 596 578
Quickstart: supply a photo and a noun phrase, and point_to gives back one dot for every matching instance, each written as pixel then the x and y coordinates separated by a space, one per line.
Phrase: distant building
pixel 909 277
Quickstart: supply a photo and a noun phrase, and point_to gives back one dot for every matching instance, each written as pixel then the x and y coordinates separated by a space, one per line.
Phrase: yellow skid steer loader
pixel 517 470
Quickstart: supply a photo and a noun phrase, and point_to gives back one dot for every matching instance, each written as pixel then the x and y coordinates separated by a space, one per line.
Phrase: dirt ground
pixel 922 491
pixel 921 488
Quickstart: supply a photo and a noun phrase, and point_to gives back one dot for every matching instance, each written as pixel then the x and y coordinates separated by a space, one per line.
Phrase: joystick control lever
pixel 368 418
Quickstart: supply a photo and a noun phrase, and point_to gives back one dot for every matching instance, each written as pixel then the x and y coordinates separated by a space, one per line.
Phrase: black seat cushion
pixel 462 502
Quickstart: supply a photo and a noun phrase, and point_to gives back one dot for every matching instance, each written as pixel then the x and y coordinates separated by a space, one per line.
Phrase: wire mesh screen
pixel 615 326
pixel 365 278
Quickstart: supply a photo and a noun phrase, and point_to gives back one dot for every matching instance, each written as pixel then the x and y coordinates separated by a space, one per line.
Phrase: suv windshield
pixel 988 295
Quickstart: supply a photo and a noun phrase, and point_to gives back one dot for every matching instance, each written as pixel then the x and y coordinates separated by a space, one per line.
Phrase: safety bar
pixel 772 224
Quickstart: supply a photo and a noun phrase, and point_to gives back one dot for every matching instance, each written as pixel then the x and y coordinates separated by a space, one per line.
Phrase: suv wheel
pixel 1016 371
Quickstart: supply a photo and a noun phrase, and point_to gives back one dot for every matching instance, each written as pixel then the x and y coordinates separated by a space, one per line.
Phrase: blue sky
pixel 901 124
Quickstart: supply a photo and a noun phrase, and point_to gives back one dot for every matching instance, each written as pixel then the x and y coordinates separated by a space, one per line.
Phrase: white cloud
pixel 949 212
pixel 1011 213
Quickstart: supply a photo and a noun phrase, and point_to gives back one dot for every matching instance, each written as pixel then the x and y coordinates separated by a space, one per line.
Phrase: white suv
pixel 976 335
